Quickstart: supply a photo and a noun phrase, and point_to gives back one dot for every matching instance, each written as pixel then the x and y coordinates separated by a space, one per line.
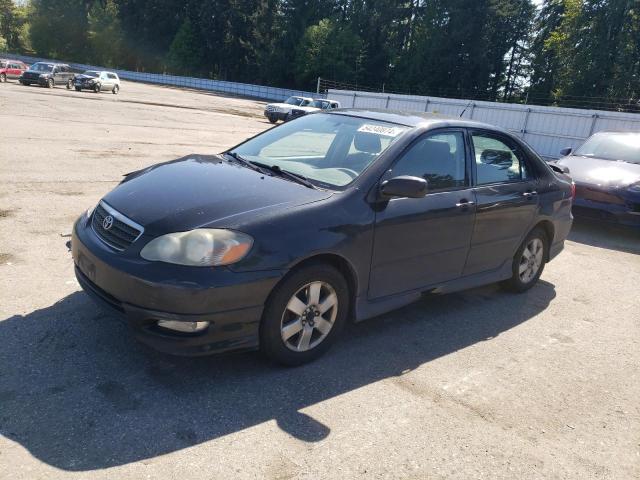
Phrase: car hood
pixel 596 171
pixel 281 105
pixel 203 191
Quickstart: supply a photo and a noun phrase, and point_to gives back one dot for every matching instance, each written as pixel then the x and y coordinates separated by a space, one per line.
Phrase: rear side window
pixel 111 76
pixel 498 160
pixel 438 158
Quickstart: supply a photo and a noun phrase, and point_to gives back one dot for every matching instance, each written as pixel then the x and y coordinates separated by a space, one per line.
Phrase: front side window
pixel 497 160
pixel 111 76
pixel 332 150
pixel 438 158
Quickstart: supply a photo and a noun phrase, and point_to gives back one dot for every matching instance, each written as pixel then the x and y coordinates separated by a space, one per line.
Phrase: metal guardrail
pixel 261 92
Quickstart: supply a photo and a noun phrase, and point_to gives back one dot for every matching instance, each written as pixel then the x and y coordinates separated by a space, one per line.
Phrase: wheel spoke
pixel 291 329
pixel 314 293
pixel 526 253
pixel 323 325
pixel 296 306
pixel 523 268
pixel 305 339
pixel 327 303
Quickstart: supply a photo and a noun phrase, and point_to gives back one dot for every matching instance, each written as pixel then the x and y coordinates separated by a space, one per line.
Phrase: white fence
pixel 233 88
pixel 546 129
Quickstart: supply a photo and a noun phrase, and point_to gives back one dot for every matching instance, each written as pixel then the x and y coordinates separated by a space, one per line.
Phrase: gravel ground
pixel 479 384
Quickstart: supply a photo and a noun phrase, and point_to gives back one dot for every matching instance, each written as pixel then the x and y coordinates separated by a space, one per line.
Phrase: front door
pixel 425 241
pixel 506 199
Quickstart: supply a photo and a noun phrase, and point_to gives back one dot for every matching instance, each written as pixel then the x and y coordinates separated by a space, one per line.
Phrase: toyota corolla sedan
pixel 606 171
pixel 277 242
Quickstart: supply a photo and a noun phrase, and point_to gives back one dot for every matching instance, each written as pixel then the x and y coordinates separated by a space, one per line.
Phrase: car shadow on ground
pixel 79 394
pixel 604 235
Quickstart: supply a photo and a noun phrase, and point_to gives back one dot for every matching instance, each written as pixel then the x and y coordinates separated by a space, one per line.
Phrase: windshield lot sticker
pixel 381 130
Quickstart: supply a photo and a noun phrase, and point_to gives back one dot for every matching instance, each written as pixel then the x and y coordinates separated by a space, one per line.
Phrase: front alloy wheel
pixel 309 316
pixel 304 314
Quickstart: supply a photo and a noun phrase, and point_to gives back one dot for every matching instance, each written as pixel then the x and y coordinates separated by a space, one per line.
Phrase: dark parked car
pixel 11 69
pixel 278 241
pixel 606 171
pixel 48 75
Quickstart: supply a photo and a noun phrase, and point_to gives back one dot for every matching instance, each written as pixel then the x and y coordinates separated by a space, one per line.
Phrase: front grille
pixel 31 76
pixel 122 233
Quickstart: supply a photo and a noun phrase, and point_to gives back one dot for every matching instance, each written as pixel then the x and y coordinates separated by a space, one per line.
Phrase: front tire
pixel 78 89
pixel 50 83
pixel 528 262
pixel 69 84
pixel 115 90
pixel 96 88
pixel 304 315
pixel 272 119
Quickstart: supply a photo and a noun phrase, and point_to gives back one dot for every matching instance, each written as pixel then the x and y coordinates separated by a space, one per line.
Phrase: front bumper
pixel 621 210
pixel 277 115
pixel 145 292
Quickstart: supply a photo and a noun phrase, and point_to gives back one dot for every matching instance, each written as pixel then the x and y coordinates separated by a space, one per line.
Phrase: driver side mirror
pixel 404 187
pixel 566 151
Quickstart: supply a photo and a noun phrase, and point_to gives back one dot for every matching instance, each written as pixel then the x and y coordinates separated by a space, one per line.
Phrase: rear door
pixel 424 241
pixel 507 200
pixel 13 70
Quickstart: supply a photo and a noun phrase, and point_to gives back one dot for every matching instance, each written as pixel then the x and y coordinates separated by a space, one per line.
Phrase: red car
pixel 11 69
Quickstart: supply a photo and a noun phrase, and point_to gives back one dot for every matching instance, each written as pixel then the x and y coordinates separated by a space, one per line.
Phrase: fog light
pixel 187 327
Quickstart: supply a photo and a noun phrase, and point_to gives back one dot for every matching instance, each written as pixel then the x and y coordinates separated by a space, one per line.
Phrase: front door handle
pixel 530 194
pixel 465 203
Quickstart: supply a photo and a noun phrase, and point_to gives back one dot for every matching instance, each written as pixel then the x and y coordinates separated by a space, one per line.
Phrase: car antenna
pixel 465 108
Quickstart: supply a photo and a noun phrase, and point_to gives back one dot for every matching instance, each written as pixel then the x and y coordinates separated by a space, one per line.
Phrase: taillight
pixel 573 190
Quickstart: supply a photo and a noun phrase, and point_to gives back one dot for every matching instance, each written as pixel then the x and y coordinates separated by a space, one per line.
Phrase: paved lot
pixel 480 384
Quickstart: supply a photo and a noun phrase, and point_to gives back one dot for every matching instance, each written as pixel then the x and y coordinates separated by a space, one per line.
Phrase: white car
pixel 315 106
pixel 97 81
pixel 279 111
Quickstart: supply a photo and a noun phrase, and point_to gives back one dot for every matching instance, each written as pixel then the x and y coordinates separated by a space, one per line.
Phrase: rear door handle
pixel 530 194
pixel 465 203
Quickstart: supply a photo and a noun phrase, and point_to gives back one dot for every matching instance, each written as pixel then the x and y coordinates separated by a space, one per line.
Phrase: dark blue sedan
pixel 606 171
pixel 277 242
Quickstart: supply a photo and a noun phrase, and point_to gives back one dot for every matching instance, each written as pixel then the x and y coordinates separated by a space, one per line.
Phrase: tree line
pixel 563 52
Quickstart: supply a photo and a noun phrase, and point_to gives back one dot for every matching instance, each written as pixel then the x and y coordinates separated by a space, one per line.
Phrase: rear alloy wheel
pixel 528 262
pixel 50 83
pixel 69 84
pixel 115 90
pixel 304 315
pixel 3 78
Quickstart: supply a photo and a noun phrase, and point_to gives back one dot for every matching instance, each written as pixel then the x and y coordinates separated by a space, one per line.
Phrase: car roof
pixel 413 119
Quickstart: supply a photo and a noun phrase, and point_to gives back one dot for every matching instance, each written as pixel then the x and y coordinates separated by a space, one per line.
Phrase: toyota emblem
pixel 107 223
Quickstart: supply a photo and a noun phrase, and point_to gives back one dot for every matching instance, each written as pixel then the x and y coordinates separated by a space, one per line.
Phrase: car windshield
pixel 293 101
pixel 42 67
pixel 91 73
pixel 612 146
pixel 320 104
pixel 330 150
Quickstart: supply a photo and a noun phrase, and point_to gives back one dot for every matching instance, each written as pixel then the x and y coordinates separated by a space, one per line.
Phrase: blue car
pixel 606 172
pixel 277 242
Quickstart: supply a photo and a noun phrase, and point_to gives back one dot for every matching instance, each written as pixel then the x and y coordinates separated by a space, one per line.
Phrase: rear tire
pixel 3 78
pixel 304 315
pixel 69 84
pixel 115 90
pixel 528 262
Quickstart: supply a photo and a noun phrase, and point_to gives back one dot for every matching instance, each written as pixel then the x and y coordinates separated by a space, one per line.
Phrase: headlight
pixel 199 248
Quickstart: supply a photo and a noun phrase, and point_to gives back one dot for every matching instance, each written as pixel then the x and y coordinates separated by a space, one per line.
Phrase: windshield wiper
pixel 243 161
pixel 296 177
